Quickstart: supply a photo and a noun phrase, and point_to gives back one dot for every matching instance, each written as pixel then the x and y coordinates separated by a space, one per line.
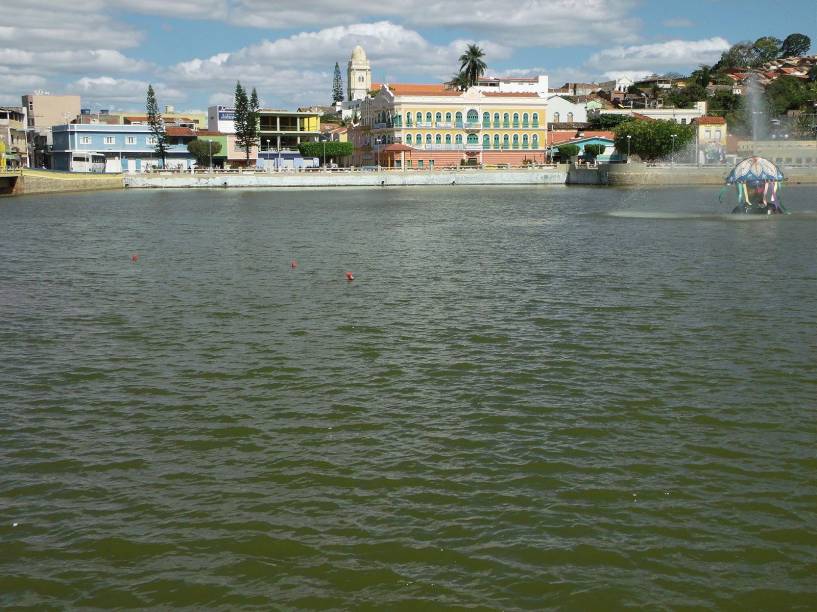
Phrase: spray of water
pixel 754 97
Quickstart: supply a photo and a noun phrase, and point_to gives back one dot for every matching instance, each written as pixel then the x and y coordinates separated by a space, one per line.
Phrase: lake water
pixel 528 398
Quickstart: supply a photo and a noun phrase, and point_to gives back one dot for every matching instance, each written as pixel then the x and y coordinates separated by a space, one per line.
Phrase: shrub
pixel 567 151
pixel 593 150
pixel 334 149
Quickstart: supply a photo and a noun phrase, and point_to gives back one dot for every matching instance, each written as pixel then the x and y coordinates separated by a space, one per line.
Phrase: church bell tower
pixel 358 75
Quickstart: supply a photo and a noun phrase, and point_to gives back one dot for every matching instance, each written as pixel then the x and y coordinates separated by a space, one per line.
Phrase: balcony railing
pixel 474 146
pixel 472 125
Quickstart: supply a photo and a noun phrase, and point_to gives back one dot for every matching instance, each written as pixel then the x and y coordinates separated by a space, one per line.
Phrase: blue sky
pixel 193 51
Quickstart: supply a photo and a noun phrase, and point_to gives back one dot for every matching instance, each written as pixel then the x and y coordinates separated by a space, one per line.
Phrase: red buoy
pixel 293 264
pixel 350 277
pixel 134 258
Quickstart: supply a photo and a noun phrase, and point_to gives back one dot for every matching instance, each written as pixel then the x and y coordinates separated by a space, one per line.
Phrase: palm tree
pixel 459 81
pixel 471 64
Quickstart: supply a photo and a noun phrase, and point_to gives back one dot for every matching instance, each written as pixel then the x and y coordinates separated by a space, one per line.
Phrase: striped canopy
pixel 754 169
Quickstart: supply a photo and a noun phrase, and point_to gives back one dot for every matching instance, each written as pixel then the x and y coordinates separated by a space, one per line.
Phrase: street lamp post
pixel 629 138
pixel 377 146
pixel 672 156
pixel 267 158
pixel 210 149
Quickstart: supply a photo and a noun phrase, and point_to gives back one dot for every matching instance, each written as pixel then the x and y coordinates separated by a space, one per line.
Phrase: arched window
pixel 486 141
pixel 448 139
pixel 458 140
pixel 428 117
pixel 505 141
pixel 486 120
pixel 438 118
pixel 525 120
pixel 524 141
pixel 398 120
pixel 496 141
pixel 473 139
pixel 408 139
pixel 419 118
pixel 555 117
pixel 496 120
pixel 516 141
pixel 458 119
pixel 438 139
pixel 516 120
pixel 535 141
pixel 419 139
pixel 536 120
pixel 428 139
pixel 448 117
pixel 506 120
pixel 473 116
pixel 570 117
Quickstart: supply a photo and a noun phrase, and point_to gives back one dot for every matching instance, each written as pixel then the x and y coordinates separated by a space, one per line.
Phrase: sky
pixel 193 51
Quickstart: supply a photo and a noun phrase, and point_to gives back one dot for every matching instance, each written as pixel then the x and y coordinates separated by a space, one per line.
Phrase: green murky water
pixel 529 398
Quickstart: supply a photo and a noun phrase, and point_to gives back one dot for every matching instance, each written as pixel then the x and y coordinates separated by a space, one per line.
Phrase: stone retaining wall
pixel 546 176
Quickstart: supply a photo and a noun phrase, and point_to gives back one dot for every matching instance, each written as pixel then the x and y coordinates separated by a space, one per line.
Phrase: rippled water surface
pixel 528 398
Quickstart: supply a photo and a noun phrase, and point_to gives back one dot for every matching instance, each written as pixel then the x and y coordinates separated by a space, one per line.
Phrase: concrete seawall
pixel 641 175
pixel 44 181
pixel 544 176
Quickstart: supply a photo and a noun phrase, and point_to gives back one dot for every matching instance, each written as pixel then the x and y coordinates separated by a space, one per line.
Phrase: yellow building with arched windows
pixel 439 126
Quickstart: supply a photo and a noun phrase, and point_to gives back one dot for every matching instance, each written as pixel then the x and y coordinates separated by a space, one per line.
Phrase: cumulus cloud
pixel 297 68
pixel 670 54
pixel 72 61
pixel 546 23
pixel 110 89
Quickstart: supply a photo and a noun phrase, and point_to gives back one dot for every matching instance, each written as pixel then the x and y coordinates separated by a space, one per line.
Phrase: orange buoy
pixel 350 276
pixel 134 258
pixel 293 264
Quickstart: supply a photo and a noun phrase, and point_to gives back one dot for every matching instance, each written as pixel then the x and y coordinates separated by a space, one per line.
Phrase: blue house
pixel 122 148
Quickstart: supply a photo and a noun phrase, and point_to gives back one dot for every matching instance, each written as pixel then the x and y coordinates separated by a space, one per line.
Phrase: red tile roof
pixel 179 131
pixel 418 89
pixel 570 135
pixel 708 120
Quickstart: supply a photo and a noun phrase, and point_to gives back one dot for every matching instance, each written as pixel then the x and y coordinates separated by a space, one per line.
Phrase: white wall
pixel 557 104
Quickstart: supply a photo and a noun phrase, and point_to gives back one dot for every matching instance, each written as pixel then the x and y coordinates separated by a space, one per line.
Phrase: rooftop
pixel 710 120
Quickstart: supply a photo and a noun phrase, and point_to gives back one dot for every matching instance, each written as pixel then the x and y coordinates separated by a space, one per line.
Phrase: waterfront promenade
pixel 617 175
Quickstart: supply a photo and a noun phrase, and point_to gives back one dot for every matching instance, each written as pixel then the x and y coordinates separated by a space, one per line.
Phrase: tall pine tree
pixel 157 126
pixel 337 86
pixel 242 120
pixel 255 119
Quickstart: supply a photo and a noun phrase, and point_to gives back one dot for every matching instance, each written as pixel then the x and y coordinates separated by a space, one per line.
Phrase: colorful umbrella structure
pixel 758 185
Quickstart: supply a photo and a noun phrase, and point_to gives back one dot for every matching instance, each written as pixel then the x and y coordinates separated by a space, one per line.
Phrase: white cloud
pixel 657 56
pixel 43 25
pixel 112 90
pixel 297 69
pixel 72 61
pixel 546 23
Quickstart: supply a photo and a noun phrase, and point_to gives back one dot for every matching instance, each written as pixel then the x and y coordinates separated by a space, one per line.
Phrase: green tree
pixel 766 49
pixel 592 151
pixel 157 126
pixel 795 44
pixel 606 121
pixel 203 150
pixel 653 140
pixel 786 93
pixel 471 63
pixel 702 76
pixel 337 85
pixel 739 55
pixel 567 152
pixel 459 81
pixel 686 97
pixel 246 120
pixel 334 149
